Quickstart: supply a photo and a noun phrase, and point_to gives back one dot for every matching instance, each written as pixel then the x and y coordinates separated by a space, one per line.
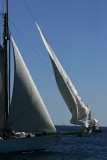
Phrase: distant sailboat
pixel 26 112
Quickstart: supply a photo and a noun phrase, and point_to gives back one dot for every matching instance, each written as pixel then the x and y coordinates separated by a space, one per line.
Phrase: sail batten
pixel 81 114
pixel 28 112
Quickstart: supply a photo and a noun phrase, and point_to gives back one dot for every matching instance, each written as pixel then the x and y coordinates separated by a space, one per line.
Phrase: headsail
pixel 28 112
pixel 81 114
pixel 2 91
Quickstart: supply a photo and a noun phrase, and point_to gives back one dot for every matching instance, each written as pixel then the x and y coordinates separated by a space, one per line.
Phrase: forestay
pixel 2 90
pixel 81 114
pixel 28 112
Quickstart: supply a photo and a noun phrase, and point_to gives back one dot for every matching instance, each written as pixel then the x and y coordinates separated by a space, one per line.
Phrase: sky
pixel 77 32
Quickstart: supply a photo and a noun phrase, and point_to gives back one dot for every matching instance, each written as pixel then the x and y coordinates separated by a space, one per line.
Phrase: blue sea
pixel 70 147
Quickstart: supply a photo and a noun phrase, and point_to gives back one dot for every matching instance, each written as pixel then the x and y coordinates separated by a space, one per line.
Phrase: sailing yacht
pixel 26 112
pixel 24 120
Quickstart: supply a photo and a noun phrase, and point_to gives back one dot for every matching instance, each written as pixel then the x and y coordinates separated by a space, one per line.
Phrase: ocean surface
pixel 70 147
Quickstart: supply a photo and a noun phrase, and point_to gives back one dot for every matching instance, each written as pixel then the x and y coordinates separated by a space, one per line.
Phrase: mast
pixel 6 38
pixel 9 72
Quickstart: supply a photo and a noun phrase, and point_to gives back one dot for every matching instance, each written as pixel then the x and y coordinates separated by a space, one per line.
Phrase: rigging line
pixel 0 32
pixel 1 27
pixel 30 61
pixel 3 5
pixel 34 51
pixel 35 21
pixel 29 10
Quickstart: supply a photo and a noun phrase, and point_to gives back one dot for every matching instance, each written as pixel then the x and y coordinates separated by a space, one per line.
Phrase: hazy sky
pixel 77 32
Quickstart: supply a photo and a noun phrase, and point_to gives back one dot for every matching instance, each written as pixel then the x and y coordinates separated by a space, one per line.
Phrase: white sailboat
pixel 26 113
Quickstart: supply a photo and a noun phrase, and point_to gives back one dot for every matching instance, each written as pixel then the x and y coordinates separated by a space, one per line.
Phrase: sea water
pixel 70 147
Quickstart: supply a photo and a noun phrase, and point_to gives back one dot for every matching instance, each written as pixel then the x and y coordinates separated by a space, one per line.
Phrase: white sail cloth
pixel 81 114
pixel 27 112
pixel 2 91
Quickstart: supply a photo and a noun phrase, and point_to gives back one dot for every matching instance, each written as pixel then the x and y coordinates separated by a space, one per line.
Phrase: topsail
pixel 81 114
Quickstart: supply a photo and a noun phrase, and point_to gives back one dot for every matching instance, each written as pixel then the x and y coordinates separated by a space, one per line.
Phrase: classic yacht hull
pixel 28 144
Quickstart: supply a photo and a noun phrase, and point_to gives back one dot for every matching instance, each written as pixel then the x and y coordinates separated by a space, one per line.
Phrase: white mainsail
pixel 81 114
pixel 27 112
pixel 2 91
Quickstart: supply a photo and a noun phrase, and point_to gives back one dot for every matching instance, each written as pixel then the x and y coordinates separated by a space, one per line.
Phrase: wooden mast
pixel 6 37
pixel 9 72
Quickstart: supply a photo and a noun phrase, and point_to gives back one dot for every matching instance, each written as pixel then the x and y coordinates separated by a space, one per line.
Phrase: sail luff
pixel 28 112
pixel 81 114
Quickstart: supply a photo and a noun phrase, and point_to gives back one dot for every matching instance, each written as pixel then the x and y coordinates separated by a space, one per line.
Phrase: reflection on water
pixel 38 155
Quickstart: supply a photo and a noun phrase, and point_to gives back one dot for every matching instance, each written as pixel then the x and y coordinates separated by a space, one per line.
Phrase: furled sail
pixel 28 112
pixel 81 114
pixel 2 90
